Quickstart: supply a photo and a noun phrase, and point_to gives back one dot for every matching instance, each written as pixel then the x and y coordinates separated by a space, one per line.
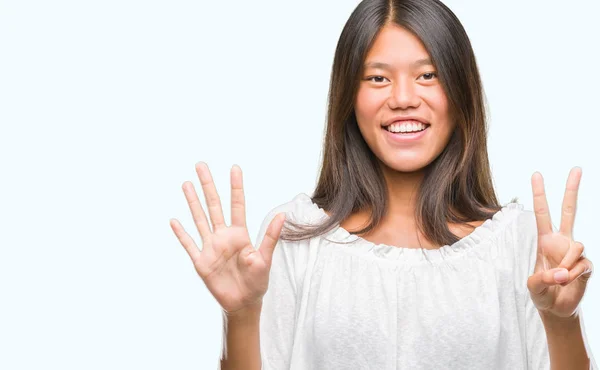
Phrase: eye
pixel 429 76
pixel 372 77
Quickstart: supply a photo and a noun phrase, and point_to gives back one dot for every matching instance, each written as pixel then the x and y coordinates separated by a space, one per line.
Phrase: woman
pixel 402 258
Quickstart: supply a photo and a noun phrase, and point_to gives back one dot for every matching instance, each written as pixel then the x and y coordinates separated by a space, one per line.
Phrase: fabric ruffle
pixel 481 236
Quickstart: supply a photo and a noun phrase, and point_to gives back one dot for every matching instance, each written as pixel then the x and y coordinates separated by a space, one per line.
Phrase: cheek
pixel 438 102
pixel 368 104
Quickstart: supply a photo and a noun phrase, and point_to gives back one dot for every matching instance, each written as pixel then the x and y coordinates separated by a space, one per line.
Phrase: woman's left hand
pixel 561 270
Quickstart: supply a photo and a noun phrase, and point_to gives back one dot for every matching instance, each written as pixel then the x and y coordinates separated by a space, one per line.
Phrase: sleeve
pixel 538 356
pixel 278 314
pixel 536 344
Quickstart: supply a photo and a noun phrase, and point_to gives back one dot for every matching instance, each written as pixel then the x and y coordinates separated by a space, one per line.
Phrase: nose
pixel 403 95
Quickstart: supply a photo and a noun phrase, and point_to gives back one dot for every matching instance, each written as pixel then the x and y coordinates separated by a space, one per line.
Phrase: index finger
pixel 540 205
pixel 569 205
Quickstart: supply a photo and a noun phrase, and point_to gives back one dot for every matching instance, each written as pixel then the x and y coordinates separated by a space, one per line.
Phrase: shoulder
pixel 515 232
pixel 524 225
pixel 511 218
pixel 515 217
pixel 520 222
pixel 522 234
pixel 290 258
pixel 298 209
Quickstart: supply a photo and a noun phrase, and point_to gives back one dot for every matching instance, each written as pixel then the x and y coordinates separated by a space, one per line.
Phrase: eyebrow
pixel 417 63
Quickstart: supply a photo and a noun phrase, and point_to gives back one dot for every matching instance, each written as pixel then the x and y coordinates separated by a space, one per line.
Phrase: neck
pixel 398 226
pixel 403 189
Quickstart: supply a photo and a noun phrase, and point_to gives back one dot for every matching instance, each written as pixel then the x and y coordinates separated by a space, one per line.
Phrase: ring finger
pixel 197 212
pixel 573 254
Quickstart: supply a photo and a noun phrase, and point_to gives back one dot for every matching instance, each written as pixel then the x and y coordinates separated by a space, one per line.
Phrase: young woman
pixel 402 258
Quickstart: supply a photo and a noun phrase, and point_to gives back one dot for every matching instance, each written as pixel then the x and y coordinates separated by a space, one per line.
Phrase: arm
pixel 262 337
pixel 560 276
pixel 551 342
pixel 241 344
pixel 565 342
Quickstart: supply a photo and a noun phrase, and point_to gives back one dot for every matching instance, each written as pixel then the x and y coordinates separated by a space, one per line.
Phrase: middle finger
pixel 213 202
pixel 569 205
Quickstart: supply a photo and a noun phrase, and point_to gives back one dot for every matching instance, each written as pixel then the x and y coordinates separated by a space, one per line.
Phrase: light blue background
pixel 105 107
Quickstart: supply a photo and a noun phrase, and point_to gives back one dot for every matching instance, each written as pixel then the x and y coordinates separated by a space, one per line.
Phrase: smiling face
pixel 399 81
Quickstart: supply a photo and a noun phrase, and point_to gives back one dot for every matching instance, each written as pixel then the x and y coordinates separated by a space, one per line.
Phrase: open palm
pixel 561 269
pixel 234 272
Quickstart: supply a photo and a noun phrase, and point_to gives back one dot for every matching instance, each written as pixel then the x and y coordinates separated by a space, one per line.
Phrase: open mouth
pixel 407 130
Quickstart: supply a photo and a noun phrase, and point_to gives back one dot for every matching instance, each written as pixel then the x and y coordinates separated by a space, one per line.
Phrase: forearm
pixel 241 344
pixel 565 343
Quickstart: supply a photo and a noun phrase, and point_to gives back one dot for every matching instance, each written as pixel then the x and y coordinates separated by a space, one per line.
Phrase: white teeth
pixel 406 127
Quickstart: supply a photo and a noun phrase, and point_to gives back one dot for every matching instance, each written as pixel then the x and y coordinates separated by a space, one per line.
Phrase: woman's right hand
pixel 234 272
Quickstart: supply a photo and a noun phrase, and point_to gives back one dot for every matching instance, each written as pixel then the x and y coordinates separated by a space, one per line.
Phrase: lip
pixel 404 118
pixel 405 138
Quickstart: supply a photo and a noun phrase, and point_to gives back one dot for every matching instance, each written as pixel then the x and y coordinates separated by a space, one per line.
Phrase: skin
pixel 407 88
pixel 560 276
pixel 233 270
pixel 237 274
pixel 404 87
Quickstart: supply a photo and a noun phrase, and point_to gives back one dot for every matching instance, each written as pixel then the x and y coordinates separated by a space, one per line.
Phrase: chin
pixel 408 169
pixel 406 165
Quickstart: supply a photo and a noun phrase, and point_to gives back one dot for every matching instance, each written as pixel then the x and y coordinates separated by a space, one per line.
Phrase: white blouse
pixel 374 306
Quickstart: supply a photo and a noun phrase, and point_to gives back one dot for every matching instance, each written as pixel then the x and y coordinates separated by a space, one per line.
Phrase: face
pixel 398 82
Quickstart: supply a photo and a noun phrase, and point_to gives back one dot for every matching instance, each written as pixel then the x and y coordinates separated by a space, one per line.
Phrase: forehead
pixel 397 46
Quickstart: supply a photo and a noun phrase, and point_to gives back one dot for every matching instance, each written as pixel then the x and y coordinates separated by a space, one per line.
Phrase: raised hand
pixel 234 272
pixel 561 269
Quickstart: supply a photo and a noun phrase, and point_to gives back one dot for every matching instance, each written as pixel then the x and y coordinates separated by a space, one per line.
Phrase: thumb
pixel 539 282
pixel 538 285
pixel 267 246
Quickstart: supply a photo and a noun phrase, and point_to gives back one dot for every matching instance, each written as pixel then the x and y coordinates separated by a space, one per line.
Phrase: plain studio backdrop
pixel 105 107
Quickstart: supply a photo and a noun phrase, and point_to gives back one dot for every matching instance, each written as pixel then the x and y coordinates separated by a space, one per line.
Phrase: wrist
pixel 553 322
pixel 565 341
pixel 250 311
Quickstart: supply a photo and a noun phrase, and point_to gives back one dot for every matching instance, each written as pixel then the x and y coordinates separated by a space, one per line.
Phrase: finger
pixel 238 202
pixel 539 282
pixel 267 246
pixel 573 254
pixel 569 206
pixel 186 240
pixel 197 212
pixel 213 202
pixel 540 205
pixel 582 270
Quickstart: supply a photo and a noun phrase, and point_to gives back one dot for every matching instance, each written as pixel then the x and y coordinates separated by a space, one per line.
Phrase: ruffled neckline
pixel 355 244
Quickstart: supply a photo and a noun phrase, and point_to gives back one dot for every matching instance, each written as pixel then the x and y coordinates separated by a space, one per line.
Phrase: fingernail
pixel 561 276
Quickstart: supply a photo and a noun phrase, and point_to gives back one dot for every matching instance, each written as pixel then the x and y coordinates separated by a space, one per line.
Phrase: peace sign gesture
pixel 561 270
